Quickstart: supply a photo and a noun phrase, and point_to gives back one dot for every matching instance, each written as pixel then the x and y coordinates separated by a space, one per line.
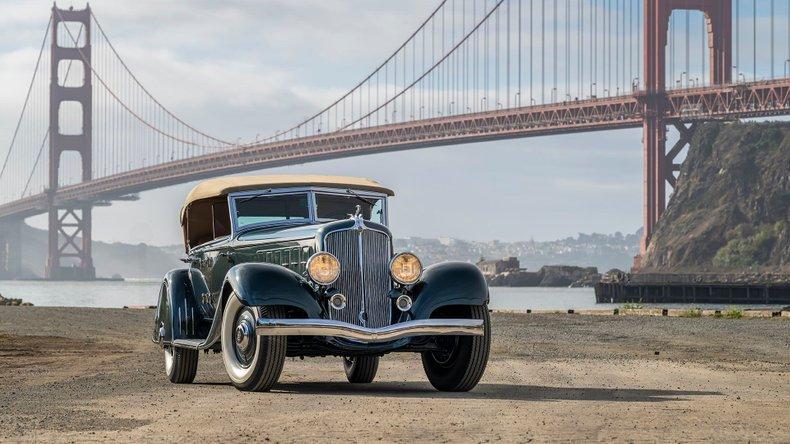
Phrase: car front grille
pixel 364 279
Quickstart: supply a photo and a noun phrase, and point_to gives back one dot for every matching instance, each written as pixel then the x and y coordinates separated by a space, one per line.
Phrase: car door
pixel 213 263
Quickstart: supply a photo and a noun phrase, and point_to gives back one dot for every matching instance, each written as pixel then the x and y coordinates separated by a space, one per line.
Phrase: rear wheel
pixel 361 369
pixel 253 362
pixel 462 360
pixel 180 364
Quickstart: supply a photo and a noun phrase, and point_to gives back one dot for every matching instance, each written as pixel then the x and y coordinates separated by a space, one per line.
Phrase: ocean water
pixel 144 292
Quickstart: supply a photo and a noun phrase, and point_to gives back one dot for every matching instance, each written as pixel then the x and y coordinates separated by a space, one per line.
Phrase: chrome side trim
pixel 327 327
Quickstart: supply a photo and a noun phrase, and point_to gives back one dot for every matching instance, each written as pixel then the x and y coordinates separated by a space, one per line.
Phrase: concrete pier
pixel 697 292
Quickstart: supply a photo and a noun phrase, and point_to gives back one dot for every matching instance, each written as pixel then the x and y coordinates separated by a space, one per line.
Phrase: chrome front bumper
pixel 326 327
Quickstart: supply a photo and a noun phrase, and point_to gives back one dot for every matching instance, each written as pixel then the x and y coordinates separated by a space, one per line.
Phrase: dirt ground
pixel 69 374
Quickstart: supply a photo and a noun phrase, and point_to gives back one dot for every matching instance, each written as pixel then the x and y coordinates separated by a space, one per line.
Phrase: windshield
pixel 340 206
pixel 265 208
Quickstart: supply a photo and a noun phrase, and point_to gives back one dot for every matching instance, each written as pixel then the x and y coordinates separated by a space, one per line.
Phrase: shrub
pixel 733 313
pixel 691 313
pixel 747 247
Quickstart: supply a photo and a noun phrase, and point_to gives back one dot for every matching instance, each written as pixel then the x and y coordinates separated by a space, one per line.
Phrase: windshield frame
pixel 311 204
pixel 359 193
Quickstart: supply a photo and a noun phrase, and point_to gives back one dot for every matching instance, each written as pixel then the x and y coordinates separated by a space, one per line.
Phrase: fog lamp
pixel 337 301
pixel 405 268
pixel 403 303
pixel 323 268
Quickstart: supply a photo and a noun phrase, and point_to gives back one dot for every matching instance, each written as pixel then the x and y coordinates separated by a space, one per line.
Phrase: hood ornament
pixel 359 222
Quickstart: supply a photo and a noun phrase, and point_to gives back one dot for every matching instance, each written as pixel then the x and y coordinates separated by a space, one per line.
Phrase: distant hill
pixel 730 211
pixel 604 251
pixel 130 261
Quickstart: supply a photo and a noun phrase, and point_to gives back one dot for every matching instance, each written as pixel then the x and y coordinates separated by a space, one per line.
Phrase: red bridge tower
pixel 658 163
pixel 70 226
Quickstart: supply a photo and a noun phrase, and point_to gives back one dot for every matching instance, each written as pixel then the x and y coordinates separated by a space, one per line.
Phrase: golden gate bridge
pixel 89 132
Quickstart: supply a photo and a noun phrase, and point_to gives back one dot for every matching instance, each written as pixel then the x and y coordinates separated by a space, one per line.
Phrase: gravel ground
pixel 77 374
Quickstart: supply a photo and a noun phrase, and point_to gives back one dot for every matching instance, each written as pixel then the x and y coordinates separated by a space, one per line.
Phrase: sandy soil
pixel 92 374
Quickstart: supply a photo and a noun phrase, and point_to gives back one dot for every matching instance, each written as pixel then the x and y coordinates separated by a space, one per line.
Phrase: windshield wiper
pixel 255 196
pixel 353 193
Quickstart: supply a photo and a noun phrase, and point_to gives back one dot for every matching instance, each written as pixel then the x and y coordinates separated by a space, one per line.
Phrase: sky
pixel 238 69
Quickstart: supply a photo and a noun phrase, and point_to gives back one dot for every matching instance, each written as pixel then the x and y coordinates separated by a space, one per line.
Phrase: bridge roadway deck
pixel 759 99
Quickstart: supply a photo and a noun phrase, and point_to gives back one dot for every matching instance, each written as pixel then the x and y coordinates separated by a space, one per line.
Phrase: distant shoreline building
pixel 492 268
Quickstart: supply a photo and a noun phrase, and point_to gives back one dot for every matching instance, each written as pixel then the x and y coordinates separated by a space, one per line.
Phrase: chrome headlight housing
pixel 323 268
pixel 405 268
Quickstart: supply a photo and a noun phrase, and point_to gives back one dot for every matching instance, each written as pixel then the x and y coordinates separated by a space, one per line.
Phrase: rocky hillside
pixel 731 209
pixel 547 276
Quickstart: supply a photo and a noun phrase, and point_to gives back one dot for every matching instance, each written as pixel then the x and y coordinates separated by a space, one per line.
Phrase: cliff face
pixel 730 211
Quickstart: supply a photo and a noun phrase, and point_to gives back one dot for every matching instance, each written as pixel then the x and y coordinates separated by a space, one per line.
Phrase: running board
pixel 194 344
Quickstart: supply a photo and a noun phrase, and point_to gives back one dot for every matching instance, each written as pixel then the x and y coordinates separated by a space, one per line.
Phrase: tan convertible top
pixel 222 186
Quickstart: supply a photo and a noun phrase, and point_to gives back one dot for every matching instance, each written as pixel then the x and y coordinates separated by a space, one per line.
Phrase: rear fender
pixel 177 313
pixel 448 283
pixel 261 284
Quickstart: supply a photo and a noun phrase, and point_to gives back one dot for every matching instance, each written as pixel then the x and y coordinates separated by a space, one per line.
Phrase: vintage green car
pixel 304 266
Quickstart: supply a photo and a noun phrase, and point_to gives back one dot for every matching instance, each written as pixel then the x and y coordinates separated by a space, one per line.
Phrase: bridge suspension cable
pixel 467 57
pixel 30 92
pixel 147 93
pixel 27 100
pixel 44 140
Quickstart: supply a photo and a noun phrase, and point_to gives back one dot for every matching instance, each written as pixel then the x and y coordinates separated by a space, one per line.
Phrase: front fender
pixel 448 283
pixel 268 284
pixel 177 313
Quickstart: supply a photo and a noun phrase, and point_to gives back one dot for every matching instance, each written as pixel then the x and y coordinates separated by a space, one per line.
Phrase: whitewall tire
pixel 253 362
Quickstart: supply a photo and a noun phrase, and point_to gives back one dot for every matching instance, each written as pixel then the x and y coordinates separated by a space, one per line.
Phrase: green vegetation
pixel 733 313
pixel 691 313
pixel 747 246
pixel 632 306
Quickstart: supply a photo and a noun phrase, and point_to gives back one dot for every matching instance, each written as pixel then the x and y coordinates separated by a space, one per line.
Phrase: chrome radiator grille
pixel 364 279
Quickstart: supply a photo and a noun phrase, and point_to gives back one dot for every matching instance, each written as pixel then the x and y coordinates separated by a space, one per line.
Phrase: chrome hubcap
pixel 243 333
pixel 244 337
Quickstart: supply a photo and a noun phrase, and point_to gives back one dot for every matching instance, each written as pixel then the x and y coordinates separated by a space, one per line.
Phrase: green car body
pixel 263 266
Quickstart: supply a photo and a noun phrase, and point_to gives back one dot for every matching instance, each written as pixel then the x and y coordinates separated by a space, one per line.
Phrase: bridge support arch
pixel 658 163
pixel 70 226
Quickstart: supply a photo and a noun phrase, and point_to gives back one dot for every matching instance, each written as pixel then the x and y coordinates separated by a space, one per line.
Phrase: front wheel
pixel 253 362
pixel 461 360
pixel 361 369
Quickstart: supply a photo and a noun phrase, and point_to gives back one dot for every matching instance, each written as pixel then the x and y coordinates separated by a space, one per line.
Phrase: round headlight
pixel 323 268
pixel 405 268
